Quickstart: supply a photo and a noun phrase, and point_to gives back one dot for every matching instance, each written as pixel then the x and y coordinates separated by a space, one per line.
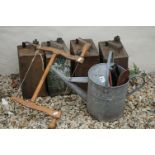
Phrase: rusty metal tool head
pixel 123 78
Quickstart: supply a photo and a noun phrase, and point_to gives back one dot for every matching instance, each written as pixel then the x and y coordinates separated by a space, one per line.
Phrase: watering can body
pixel 104 103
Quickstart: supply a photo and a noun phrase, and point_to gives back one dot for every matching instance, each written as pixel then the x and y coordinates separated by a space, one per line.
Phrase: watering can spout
pixel 68 81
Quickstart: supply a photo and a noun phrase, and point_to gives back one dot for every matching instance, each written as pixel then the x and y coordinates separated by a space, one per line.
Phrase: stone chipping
pixel 139 110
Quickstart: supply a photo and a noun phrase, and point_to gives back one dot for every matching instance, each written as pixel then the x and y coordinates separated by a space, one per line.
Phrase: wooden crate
pixel 25 56
pixel 91 59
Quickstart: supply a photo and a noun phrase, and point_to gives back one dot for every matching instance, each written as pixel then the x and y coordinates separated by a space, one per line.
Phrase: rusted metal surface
pixel 92 57
pixel 120 54
pixel 25 55
pixel 123 78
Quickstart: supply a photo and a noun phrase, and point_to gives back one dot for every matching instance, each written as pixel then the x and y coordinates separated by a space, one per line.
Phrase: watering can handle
pixel 139 87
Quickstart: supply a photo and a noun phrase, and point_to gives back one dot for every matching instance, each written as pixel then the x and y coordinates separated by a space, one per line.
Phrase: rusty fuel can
pixel 92 58
pixel 55 85
pixel 25 56
pixel 119 52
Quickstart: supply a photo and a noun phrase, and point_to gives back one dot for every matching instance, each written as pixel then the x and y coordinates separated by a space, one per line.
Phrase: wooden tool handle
pixel 84 52
pixel 39 86
pixel 63 53
pixel 60 52
pixel 30 104
pixel 85 49
pixel 86 46
pixel 53 124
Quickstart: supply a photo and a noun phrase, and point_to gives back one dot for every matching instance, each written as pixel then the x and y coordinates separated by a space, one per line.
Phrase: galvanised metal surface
pixel 120 54
pixel 73 86
pixel 104 103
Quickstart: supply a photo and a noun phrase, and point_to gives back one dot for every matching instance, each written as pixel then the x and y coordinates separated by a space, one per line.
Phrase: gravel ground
pixel 139 111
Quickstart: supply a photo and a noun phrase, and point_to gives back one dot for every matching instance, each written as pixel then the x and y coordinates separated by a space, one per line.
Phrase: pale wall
pixel 138 41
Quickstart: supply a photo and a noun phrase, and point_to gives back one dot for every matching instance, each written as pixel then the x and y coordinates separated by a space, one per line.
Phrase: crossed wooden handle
pixel 54 113
pixel 55 52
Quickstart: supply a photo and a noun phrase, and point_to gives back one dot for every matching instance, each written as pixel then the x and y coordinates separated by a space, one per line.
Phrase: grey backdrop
pixel 138 41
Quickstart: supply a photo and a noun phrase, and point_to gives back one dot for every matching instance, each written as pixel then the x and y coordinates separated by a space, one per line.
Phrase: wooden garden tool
pixel 55 53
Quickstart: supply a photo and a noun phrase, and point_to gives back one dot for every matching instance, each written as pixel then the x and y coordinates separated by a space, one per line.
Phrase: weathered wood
pixel 40 84
pixel 76 58
pixel 32 105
